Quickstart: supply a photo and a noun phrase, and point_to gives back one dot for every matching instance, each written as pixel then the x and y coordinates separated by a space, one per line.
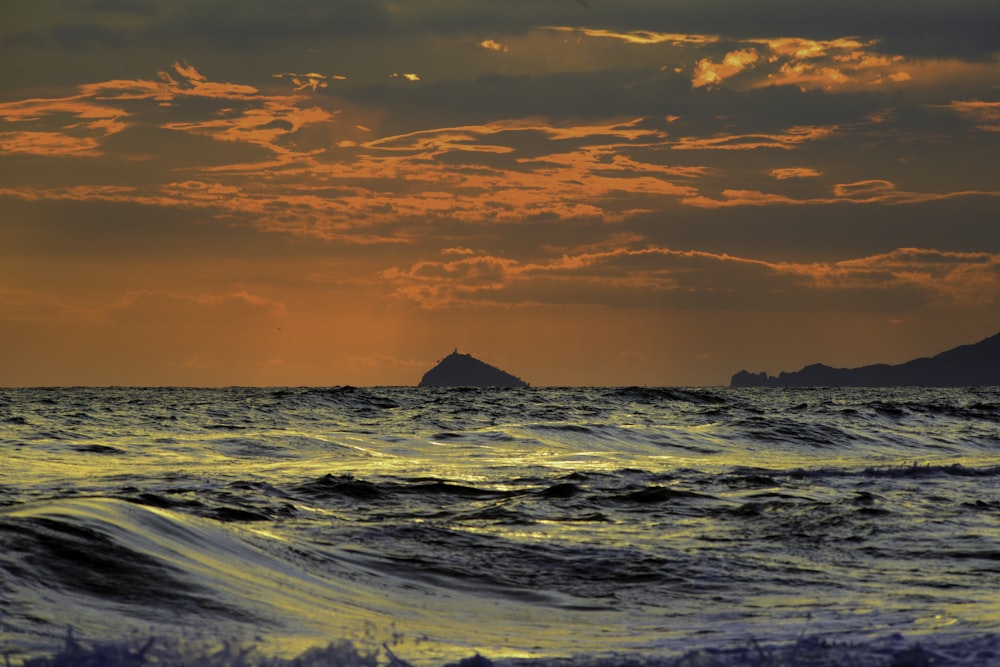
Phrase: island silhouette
pixel 464 370
pixel 975 365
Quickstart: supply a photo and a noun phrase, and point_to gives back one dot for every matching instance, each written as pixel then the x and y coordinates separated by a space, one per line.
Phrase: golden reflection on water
pixel 322 567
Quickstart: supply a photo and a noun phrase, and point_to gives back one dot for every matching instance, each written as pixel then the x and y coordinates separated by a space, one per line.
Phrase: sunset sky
pixel 582 192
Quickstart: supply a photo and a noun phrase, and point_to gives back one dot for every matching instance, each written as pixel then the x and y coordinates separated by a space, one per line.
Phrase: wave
pixel 697 419
pixel 606 523
pixel 807 651
pixel 109 564
pixel 659 395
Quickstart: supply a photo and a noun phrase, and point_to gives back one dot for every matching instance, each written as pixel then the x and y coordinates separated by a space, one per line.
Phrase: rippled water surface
pixel 513 523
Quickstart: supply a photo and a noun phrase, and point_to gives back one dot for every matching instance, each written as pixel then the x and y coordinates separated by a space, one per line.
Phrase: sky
pixel 581 192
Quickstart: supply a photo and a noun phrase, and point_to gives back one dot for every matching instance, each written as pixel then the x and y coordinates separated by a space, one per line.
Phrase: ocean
pixel 571 526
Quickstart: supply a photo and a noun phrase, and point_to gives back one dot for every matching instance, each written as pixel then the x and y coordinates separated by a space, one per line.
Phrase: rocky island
pixel 464 370
pixel 976 365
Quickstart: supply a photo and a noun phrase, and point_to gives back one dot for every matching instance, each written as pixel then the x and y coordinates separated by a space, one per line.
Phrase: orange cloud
pixel 864 190
pixel 828 64
pixel 493 45
pixel 312 80
pixel 874 191
pixel 464 137
pixel 77 125
pixel 83 124
pixel 986 115
pixel 441 140
pixel 307 183
pixel 653 272
pixel 807 64
pixel 49 144
pixel 966 278
pixel 732 198
pixel 806 76
pixel 184 82
pixel 708 73
pixel 801 49
pixel 786 173
pixel 641 36
pixel 482 278
pixel 79 107
pixel 190 73
pixel 119 193
pixel 788 139
pixel 845 62
pixel 261 126
pixel 194 84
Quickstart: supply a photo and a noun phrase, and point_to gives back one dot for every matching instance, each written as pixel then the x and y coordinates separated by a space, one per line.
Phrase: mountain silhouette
pixel 964 366
pixel 464 370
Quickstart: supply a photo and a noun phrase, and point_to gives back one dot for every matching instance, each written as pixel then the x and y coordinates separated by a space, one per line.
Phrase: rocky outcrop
pixel 964 366
pixel 464 370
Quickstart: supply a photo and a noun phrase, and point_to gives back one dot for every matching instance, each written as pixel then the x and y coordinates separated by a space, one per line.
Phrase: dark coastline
pixel 976 365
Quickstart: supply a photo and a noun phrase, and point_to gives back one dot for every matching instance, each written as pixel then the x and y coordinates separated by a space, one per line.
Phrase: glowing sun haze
pixel 322 192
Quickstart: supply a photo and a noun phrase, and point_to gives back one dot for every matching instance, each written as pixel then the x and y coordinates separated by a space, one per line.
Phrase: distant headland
pixel 464 370
pixel 964 366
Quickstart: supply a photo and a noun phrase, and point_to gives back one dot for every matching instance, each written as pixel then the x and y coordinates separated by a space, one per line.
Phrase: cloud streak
pixel 861 192
pixel 658 276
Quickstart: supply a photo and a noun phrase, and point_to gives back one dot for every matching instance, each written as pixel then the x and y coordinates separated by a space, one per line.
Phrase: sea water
pixel 424 526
